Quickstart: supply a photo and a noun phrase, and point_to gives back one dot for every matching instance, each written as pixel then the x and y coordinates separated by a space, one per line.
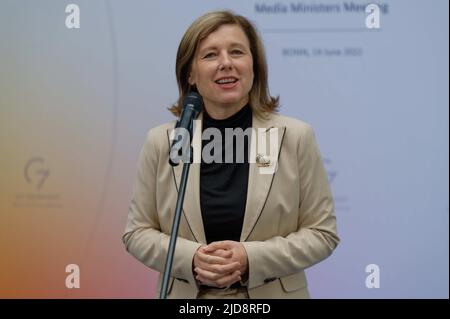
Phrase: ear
pixel 191 79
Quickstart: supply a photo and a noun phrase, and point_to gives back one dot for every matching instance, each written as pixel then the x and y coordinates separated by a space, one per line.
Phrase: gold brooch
pixel 262 160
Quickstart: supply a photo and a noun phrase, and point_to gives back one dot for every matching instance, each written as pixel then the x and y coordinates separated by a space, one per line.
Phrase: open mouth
pixel 226 80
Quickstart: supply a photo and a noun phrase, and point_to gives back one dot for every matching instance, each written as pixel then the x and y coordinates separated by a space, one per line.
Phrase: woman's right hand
pixel 216 268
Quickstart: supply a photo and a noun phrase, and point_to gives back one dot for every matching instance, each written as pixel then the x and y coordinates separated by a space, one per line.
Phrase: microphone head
pixel 194 100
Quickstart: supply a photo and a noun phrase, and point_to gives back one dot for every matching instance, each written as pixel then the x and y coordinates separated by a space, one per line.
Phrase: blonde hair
pixel 260 100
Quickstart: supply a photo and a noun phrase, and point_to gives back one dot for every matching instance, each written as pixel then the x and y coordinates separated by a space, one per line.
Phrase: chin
pixel 229 103
pixel 230 100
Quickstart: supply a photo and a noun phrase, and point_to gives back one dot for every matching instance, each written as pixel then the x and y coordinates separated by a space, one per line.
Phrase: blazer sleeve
pixel 143 237
pixel 316 236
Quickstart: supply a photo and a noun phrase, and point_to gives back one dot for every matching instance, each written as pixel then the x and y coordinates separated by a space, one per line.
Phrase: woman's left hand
pixel 238 254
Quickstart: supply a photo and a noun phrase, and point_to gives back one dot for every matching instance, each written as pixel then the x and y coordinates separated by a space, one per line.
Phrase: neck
pixel 223 112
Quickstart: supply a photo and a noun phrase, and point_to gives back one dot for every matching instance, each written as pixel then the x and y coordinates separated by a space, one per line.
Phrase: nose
pixel 225 62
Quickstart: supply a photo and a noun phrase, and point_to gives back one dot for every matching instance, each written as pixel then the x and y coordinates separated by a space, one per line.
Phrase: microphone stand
pixel 176 222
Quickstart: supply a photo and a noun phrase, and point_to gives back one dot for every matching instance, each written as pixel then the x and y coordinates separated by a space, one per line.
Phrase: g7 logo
pixel 34 171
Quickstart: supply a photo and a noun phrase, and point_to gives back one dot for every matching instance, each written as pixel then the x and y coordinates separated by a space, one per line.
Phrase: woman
pixel 244 232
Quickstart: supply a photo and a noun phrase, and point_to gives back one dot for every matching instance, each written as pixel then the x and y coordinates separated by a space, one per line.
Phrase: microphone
pixel 192 106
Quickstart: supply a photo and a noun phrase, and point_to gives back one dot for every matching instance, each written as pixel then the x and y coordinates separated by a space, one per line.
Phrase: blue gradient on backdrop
pixel 381 120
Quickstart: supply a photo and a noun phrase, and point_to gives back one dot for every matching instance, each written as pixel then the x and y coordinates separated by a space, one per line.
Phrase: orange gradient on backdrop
pixel 58 203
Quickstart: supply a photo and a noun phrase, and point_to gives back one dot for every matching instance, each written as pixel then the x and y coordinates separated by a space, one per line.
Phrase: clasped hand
pixel 220 264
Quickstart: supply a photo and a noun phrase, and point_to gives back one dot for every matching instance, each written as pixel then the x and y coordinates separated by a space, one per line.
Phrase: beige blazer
pixel 289 222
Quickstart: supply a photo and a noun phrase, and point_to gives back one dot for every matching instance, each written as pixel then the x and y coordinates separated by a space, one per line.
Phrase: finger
pixel 202 249
pixel 221 269
pixel 211 259
pixel 207 275
pixel 214 276
pixel 205 281
pixel 220 282
pixel 221 253
pixel 229 280
pixel 224 244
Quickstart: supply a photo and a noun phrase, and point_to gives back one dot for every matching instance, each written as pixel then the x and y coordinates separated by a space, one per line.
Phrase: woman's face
pixel 222 69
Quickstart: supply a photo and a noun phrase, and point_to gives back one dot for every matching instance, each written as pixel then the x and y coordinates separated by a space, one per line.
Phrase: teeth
pixel 223 81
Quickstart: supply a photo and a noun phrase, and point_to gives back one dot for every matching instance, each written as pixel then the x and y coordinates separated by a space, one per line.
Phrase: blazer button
pixel 269 279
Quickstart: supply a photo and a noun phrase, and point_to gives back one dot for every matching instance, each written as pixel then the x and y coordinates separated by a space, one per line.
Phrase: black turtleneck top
pixel 223 185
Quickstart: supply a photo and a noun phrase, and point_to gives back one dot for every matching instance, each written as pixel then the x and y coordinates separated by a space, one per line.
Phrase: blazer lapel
pixel 191 205
pixel 260 178
pixel 266 140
